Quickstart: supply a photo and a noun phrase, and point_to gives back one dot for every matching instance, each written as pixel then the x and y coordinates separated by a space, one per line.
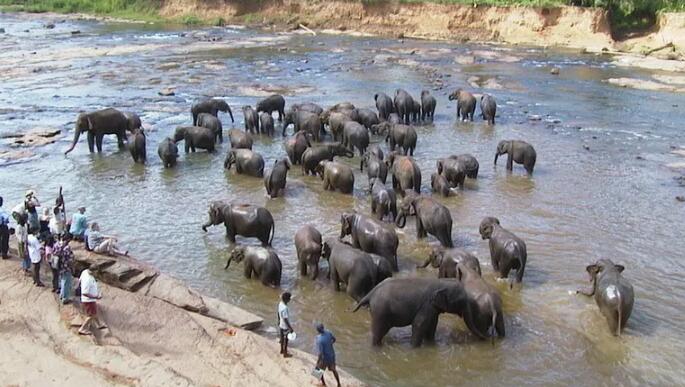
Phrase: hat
pixel 30 193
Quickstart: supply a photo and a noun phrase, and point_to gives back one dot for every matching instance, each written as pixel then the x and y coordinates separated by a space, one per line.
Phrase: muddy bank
pixel 149 340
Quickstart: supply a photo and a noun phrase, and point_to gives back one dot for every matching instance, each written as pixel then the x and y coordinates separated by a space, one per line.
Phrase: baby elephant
pixel 263 262
pixel 136 145
pixel 246 162
pixel 466 104
pixel 613 293
pixel 507 251
pixel 266 122
pixel 274 181
pixel 383 200
pixel 488 321
pixel 336 175
pixel 446 260
pixel 439 184
pixel 519 151
pixel 168 152
pixel 308 245
pixel 251 119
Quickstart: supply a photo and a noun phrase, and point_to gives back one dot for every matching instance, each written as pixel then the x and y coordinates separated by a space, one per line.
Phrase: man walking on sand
pixel 36 256
pixel 4 232
pixel 89 296
pixel 326 360
pixel 284 326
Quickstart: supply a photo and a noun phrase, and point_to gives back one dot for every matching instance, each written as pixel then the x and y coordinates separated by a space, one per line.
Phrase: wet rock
pixel 586 147
pixel 75 32
pixel 465 59
pixel 554 71
pixel 680 198
pixel 34 137
pixel 49 26
pixel 167 92
pixel 7 157
pixel 639 158
pixel 2 30
pixel 642 84
pixel 534 117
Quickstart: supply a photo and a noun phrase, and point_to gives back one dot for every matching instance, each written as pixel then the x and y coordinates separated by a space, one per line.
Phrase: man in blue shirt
pixel 79 224
pixel 4 232
pixel 324 345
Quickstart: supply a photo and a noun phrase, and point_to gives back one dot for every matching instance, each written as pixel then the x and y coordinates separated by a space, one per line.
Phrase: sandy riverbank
pixel 150 342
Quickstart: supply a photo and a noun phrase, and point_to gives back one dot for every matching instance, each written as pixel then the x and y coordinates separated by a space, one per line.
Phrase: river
pixel 600 187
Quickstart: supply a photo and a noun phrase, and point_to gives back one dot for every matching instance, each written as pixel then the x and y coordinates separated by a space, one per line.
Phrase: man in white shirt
pixel 284 326
pixel 35 255
pixel 89 296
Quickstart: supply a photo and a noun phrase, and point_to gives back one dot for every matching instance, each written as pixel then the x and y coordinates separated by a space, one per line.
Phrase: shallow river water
pixel 600 187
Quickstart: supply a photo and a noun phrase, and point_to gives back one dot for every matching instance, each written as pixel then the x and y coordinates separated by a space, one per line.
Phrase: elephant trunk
pixel 230 113
pixel 401 220
pixel 77 134
pixel 228 263
pixel 496 156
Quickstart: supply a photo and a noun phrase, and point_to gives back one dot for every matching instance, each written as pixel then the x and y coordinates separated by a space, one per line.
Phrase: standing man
pixel 22 235
pixel 4 232
pixel 66 259
pixel 35 255
pixel 284 326
pixel 79 223
pixel 326 360
pixel 89 296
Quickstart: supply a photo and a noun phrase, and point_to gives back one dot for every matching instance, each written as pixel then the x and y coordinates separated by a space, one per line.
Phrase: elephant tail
pixel 273 232
pixel 620 314
pixel 363 302
pixel 492 329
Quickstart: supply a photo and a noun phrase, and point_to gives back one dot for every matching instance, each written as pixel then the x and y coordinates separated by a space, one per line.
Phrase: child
pixel 22 234
pixel 52 259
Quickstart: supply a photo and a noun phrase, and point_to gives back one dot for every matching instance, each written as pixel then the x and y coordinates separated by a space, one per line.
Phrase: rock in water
pixel 554 71
pixel 167 92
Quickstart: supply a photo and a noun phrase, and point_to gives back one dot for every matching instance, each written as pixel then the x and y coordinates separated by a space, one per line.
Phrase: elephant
pixel 314 155
pixel 304 120
pixel 355 135
pixel 470 164
pixel 195 137
pixel 453 170
pixel 446 261
pixel 251 119
pixel 367 117
pixel 400 135
pixel 394 118
pixel 370 235
pixel 613 293
pixel 428 103
pixel 308 107
pixel 384 104
pixel 375 150
pixel 266 123
pixel 263 262
pixel 431 218
pixel 406 174
pixel 353 267
pixel 240 139
pixel 488 318
pixel 168 152
pixel 246 162
pixel 439 184
pixel 404 105
pixel 136 145
pixel 97 124
pixel 336 123
pixel 212 106
pixel 209 121
pixel 383 200
pixel 274 181
pixel 336 176
pixel 375 167
pixel 242 219
pixel 133 121
pixel 271 104
pixel 339 107
pixel 518 151
pixel 416 111
pixel 308 246
pixel 398 302
pixel 507 251
pixel 296 146
pixel 488 108
pixel 466 104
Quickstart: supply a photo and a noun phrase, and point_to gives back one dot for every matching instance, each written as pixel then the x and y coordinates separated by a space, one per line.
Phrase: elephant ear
pixel 593 269
pixel 620 268
pixel 439 300
pixel 90 123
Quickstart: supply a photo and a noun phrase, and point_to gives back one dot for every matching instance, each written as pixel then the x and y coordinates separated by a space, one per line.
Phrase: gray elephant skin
pixel 295 146
pixel 375 166
pixel 446 261
pixel 507 251
pixel 466 104
pixel 383 200
pixel 428 103
pixel 404 105
pixel 400 135
pixel 195 137
pixel 240 139
pixel 336 176
pixel 398 302
pixel 440 185
pixel 308 246
pixel 272 103
pixel 168 152
pixel 304 120
pixel 454 171
pixel 209 121
pixel 136 145
pixel 251 118
pixel 488 319
pixel 355 135
pixel 406 174
pixel 431 218
pixel 370 235
pixel 275 179
pixel 99 123
pixel 262 263
pixel 246 162
pixel 307 107
pixel 470 164
pixel 488 108
pixel 336 124
pixel 266 123
pixel 366 117
pixel 384 105
pixel 355 268
pixel 242 219
pixel 212 106
pixel 314 155
pixel 612 292
pixel 133 121
pixel 517 151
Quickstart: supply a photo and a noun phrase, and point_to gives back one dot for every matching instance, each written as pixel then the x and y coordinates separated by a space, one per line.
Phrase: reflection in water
pixel 578 206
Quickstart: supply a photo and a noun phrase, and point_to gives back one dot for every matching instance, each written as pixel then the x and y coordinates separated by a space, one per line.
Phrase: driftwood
pixel 307 29
pixel 653 50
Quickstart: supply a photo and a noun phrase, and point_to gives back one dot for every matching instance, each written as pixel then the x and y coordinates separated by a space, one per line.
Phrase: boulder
pixel 231 314
pixel 176 293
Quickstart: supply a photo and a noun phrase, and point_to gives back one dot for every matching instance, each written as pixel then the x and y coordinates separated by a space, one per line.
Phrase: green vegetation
pixel 624 14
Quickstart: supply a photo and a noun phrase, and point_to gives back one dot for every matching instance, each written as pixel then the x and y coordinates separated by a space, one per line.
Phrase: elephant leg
pixel 334 278
pixel 379 329
pixel 494 260
pixel 420 230
pixel 281 113
pixel 510 161
pixel 91 141
pixel 187 146
pixel 247 270
pixel 98 142
pixel 302 265
pixel 499 324
pixel 230 235
pixel 120 140
pixel 411 151
pixel 423 327
pixel 529 167
pixel 315 270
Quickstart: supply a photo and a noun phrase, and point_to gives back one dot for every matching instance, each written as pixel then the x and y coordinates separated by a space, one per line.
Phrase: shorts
pixel 283 335
pixel 90 308
pixel 326 364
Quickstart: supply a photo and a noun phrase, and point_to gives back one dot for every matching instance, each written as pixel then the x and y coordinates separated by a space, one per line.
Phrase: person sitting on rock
pixel 79 224
pixel 102 244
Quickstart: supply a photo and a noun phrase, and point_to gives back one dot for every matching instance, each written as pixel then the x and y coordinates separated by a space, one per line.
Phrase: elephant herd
pixel 365 264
